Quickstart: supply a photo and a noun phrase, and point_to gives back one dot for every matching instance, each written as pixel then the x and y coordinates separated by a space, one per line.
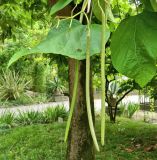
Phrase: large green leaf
pixel 134 47
pixel 67 41
pixel 59 5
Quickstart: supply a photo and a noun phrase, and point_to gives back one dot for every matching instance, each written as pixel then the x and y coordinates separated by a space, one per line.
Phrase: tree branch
pixel 120 99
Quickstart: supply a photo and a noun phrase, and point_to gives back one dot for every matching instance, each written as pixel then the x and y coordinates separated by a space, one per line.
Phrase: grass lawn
pixel 126 140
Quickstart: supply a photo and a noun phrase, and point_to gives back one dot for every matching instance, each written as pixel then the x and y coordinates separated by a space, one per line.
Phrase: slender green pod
pixel 75 89
pixel 103 80
pixel 73 101
pixel 104 24
pixel 91 125
pixel 90 120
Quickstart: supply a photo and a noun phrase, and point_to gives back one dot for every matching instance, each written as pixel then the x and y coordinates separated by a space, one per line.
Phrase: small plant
pixel 22 118
pixel 7 118
pixel 39 75
pixel 128 110
pixel 131 109
pixel 60 111
pixel 29 117
pixel 51 114
pixel 12 86
pixel 56 86
pixel 122 109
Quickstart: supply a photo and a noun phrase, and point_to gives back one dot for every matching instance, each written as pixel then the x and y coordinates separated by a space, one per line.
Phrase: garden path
pixel 139 115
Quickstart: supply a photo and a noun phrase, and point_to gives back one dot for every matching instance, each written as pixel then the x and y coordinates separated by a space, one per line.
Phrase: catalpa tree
pixel 133 52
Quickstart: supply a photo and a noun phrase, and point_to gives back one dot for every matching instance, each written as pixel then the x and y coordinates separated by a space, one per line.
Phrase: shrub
pixel 39 75
pixel 51 114
pixel 60 111
pixel 55 86
pixel 122 109
pixel 131 109
pixel 29 117
pixel 12 86
pixel 128 110
pixel 7 118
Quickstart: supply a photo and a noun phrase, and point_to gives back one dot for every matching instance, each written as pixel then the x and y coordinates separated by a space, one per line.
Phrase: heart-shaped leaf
pixel 68 41
pixel 134 47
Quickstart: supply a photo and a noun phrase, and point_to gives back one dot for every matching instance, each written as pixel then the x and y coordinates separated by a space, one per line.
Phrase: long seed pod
pixel 75 89
pixel 103 76
pixel 73 102
pixel 90 120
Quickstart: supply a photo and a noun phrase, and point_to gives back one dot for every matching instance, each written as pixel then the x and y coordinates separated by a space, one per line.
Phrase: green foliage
pixel 25 66
pixel 7 118
pixel 67 41
pixel 128 110
pixel 134 53
pixel 39 76
pixel 114 87
pixel 12 17
pixel 15 16
pixel 122 9
pixel 12 86
pixel 122 109
pixel 131 109
pixel 152 88
pixel 51 114
pixel 55 86
pixel 29 117
pixel 25 99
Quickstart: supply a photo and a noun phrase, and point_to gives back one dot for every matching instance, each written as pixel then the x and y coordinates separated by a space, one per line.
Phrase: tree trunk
pixel 112 113
pixel 112 108
pixel 80 143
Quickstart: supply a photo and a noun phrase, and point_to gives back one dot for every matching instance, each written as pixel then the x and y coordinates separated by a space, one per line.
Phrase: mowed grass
pixel 125 140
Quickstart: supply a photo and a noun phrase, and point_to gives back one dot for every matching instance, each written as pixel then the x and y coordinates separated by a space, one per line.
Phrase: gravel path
pixel 150 117
pixel 41 107
pixel 34 107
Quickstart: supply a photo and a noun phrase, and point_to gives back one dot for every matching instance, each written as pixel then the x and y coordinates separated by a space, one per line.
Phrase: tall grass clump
pixel 12 86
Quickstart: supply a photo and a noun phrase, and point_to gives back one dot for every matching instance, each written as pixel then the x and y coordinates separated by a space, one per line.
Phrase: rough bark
pixel 80 144
pixel 112 107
